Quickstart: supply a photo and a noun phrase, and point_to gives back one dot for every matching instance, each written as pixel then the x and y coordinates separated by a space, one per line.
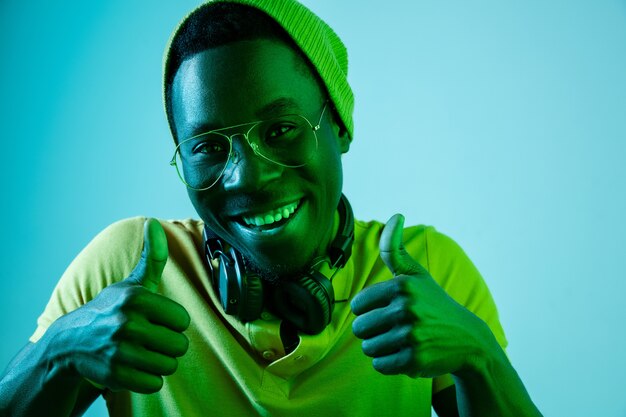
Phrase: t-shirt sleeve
pixel 450 266
pixel 108 258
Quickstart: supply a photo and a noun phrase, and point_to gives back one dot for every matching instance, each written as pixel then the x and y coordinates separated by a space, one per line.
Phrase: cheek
pixel 332 166
pixel 335 173
pixel 202 202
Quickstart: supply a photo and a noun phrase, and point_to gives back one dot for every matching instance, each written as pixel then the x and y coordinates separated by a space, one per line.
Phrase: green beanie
pixel 317 41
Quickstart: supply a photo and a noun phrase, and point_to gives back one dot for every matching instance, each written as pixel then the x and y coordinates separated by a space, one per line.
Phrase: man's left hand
pixel 410 325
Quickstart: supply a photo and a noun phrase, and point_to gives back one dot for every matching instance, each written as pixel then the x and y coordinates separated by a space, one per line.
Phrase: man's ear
pixel 344 139
pixel 341 132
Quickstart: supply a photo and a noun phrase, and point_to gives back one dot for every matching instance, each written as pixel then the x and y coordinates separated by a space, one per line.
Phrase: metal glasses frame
pixel 245 134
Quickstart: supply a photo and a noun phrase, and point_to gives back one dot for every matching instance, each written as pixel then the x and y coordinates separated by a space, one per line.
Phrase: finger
pixel 371 324
pixel 376 296
pixel 396 339
pixel 392 251
pixel 162 340
pixel 133 379
pixel 153 257
pixel 148 361
pixel 165 312
pixel 401 362
pixel 381 320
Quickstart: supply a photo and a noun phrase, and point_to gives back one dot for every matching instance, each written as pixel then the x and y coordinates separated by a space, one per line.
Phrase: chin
pixel 274 272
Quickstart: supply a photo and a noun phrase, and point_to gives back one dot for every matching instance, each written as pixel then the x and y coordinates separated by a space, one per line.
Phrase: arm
pixel 32 385
pixel 490 386
pixel 495 387
pixel 126 338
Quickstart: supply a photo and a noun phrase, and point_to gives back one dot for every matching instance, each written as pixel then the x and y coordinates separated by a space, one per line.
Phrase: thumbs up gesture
pixel 128 337
pixel 148 271
pixel 409 324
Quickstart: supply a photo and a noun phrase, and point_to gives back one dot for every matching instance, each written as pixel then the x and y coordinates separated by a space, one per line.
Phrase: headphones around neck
pixel 306 302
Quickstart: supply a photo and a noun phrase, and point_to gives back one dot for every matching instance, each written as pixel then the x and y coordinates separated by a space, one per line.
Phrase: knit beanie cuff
pixel 315 38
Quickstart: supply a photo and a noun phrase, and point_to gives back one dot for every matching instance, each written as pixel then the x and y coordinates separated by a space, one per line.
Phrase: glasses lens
pixel 201 160
pixel 288 140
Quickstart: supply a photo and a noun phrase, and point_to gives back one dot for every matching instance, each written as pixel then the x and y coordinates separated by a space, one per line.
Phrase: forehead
pixel 237 83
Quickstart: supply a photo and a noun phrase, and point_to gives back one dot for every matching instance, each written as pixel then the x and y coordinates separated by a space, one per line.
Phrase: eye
pixel 210 148
pixel 279 130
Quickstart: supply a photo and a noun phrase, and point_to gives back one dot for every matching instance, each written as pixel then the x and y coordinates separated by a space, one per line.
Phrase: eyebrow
pixel 277 107
pixel 280 106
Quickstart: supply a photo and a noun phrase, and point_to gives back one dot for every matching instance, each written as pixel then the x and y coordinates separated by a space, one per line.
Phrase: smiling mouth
pixel 270 219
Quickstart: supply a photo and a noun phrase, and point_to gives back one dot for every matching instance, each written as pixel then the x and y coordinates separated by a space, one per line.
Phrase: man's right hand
pixel 129 336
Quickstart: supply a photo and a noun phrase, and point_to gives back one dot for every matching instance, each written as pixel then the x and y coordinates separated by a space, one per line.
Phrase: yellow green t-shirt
pixel 236 369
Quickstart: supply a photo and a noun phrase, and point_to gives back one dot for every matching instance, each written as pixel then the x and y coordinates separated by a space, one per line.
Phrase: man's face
pixel 246 82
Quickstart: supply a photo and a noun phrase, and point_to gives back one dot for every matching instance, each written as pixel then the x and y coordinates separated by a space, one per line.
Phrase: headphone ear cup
pixel 250 289
pixel 227 284
pixel 307 302
pixel 252 301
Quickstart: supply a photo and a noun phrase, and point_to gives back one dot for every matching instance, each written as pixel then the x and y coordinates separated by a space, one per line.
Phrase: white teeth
pixel 270 217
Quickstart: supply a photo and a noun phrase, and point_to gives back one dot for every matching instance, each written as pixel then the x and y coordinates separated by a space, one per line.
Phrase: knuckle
pixel 407 361
pixel 420 360
pixel 116 354
pixel 132 296
pixel 397 285
pixel 402 311
pixel 125 300
pixel 407 336
pixel 122 326
pixel 421 338
pixel 403 282
pixel 408 357
pixel 107 354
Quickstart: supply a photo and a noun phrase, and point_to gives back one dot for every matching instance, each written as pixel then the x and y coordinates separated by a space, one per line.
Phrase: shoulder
pixel 111 256
pixel 130 230
pixel 113 253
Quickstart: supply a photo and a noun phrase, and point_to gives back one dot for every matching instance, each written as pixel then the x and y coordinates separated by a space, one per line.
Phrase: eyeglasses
pixel 289 141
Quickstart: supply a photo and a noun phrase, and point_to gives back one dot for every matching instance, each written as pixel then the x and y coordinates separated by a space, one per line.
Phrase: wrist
pixel 484 356
pixel 57 353
pixel 489 385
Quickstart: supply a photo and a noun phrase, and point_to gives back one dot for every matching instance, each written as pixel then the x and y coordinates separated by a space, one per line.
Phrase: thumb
pixel 392 250
pixel 153 257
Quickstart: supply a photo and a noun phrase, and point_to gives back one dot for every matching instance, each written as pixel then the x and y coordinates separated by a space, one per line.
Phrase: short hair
pixel 218 24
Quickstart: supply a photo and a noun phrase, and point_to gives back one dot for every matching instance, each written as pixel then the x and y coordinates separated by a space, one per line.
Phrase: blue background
pixel 501 123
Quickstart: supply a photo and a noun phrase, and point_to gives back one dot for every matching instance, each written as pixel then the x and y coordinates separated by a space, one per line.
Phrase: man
pixel 276 302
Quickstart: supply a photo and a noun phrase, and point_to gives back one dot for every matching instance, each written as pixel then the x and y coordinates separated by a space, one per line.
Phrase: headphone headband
pixel 305 301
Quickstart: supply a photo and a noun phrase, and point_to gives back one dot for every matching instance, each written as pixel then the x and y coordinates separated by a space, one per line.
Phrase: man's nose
pixel 246 170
